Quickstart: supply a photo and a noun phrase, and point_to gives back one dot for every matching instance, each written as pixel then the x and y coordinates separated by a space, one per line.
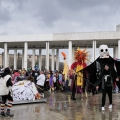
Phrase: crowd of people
pixel 39 81
pixel 45 80
pixel 49 80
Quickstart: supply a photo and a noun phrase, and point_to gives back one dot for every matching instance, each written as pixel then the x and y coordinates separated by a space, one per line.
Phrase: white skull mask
pixel 103 50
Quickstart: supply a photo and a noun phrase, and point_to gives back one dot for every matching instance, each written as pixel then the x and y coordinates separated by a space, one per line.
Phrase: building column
pixel 22 58
pixel 114 56
pixel 53 52
pixel 3 60
pixel 8 56
pixel 73 53
pixel 57 59
pixel 94 50
pixel 47 55
pixel 118 49
pixel 25 54
pixel 70 53
pixel 5 56
pixel 40 58
pixel 33 58
pixel 15 59
pixel 115 52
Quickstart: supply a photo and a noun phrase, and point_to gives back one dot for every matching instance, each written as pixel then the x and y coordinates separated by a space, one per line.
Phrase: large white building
pixel 58 41
pixel 29 61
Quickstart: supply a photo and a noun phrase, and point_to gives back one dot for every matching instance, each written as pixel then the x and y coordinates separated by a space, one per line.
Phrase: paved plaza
pixel 59 106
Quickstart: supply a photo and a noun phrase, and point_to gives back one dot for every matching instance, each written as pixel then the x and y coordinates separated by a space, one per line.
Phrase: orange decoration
pixel 64 55
pixel 81 55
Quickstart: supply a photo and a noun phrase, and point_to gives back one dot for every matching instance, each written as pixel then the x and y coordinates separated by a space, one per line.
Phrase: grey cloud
pixel 48 12
pixel 46 16
pixel 4 14
pixel 18 4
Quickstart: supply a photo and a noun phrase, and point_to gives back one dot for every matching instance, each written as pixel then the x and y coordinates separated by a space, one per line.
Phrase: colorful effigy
pixel 80 59
pixel 25 90
pixel 80 63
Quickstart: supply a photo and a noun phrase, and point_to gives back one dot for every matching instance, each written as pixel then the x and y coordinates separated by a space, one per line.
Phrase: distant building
pixel 19 60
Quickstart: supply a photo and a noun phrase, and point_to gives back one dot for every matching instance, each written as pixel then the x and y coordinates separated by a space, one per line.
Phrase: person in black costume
pixel 103 70
pixel 106 79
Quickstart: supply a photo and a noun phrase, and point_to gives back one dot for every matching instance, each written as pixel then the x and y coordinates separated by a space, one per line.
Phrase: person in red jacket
pixel 16 74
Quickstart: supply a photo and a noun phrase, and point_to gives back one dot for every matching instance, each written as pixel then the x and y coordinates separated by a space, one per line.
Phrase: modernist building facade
pixel 29 61
pixel 58 41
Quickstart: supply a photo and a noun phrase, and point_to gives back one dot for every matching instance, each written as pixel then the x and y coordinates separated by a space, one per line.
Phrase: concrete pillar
pixel 5 56
pixel 53 52
pixel 118 49
pixel 57 59
pixel 40 58
pixel 8 56
pixel 3 60
pixel 25 54
pixel 73 53
pixel 114 56
pixel 15 59
pixel 94 50
pixel 70 53
pixel 115 52
pixel 22 58
pixel 47 55
pixel 33 58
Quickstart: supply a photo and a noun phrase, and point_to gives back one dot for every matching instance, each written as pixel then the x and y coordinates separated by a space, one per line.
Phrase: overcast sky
pixel 58 16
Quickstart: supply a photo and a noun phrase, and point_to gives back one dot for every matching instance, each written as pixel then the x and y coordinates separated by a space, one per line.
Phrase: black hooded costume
pixel 96 70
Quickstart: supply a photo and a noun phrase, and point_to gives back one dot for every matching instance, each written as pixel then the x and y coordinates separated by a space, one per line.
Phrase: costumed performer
pixel 108 75
pixel 102 73
pixel 80 63
pixel 5 92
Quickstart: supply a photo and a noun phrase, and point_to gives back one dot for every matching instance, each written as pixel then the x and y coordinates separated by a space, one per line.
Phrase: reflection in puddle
pixel 62 105
pixel 107 117
pixel 78 116
pixel 59 106
pixel 37 109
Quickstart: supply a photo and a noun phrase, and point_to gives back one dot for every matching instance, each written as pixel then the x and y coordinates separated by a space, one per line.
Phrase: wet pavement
pixel 59 106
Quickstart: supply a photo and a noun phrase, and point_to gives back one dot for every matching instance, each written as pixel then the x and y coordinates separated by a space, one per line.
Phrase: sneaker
pixel 103 108
pixel 110 106
pixel 8 114
pixel 2 114
pixel 73 98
